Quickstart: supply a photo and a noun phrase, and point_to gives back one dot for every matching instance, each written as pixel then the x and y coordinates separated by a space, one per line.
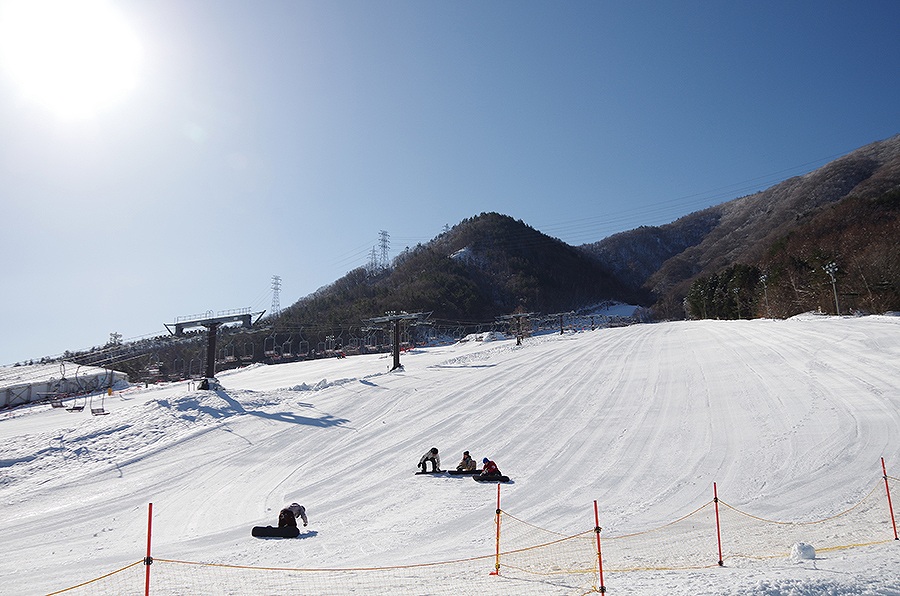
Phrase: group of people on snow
pixel 467 464
pixel 287 517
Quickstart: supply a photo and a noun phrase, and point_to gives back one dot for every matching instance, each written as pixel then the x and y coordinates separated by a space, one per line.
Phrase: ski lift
pixel 248 351
pixel 269 346
pixel 198 362
pixel 75 406
pixel 229 353
pixel 99 410
pixel 286 351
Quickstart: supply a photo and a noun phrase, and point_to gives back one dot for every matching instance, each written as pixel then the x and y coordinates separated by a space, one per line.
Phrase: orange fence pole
pixel 496 570
pixel 887 488
pixel 597 528
pixel 718 526
pixel 148 560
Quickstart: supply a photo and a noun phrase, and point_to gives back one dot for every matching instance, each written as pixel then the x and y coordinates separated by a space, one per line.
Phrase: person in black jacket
pixel 288 516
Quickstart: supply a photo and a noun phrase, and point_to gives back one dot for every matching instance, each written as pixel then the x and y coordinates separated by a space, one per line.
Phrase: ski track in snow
pixel 789 418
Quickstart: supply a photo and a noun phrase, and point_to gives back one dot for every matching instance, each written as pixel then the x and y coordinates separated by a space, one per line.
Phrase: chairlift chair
pixel 99 410
pixel 77 407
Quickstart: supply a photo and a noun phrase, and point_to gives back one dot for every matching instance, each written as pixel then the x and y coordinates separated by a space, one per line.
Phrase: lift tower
pixel 394 318
pixel 212 324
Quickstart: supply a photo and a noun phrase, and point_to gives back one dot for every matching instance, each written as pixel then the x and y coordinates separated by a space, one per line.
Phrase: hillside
pixel 483 267
pixel 790 423
pixel 666 259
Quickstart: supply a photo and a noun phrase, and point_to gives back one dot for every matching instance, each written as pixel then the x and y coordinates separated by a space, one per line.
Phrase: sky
pixel 786 425
pixel 166 158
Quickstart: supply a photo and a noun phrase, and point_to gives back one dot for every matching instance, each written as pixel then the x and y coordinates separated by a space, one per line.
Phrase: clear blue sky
pixel 278 138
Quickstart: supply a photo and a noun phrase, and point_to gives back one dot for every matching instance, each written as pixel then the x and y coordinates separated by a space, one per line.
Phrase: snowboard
pixel 421 473
pixel 493 478
pixel 272 532
pixel 463 472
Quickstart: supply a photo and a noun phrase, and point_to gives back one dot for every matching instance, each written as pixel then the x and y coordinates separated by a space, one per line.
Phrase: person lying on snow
pixel 288 516
pixel 490 468
pixel 467 464
pixel 431 456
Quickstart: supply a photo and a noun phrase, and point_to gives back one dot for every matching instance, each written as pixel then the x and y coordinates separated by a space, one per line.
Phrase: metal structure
pixel 212 324
pixel 831 269
pixel 276 295
pixel 516 321
pixel 394 318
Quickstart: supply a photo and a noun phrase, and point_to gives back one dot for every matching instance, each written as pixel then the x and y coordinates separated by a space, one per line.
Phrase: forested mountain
pixel 763 230
pixel 483 267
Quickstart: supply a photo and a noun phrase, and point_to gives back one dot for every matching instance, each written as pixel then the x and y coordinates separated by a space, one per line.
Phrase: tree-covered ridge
pixel 483 267
pixel 859 236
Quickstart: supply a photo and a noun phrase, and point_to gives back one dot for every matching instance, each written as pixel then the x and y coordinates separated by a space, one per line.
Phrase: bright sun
pixel 74 57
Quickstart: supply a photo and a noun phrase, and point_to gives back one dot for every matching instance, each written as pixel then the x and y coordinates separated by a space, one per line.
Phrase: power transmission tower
pixel 373 261
pixel 384 243
pixel 276 295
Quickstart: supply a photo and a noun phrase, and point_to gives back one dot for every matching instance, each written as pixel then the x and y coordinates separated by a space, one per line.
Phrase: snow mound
pixel 802 551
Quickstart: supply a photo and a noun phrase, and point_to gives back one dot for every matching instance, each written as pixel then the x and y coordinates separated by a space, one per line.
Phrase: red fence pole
pixel 887 488
pixel 602 588
pixel 718 526
pixel 496 570
pixel 148 560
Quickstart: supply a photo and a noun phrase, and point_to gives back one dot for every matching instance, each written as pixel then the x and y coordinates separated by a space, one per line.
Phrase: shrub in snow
pixel 801 551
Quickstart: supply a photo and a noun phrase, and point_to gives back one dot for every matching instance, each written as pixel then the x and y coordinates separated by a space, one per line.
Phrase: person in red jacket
pixel 489 468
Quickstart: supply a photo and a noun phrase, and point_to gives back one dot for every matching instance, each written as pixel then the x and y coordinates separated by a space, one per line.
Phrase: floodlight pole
pixel 831 269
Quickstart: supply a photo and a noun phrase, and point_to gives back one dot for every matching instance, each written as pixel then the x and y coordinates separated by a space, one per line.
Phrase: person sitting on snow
pixel 431 456
pixel 467 464
pixel 490 468
pixel 288 516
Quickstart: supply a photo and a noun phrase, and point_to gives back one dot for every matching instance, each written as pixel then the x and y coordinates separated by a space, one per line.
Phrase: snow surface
pixel 789 418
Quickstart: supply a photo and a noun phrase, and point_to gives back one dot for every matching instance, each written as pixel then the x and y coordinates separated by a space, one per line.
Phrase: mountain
pixel 666 259
pixel 483 267
pixel 760 255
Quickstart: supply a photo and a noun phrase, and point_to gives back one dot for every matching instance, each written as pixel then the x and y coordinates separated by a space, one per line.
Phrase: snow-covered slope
pixel 789 418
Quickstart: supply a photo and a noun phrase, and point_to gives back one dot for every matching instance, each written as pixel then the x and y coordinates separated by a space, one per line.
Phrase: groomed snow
pixel 789 418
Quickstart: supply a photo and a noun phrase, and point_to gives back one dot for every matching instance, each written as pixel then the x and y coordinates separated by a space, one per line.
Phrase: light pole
pixel 763 278
pixel 831 269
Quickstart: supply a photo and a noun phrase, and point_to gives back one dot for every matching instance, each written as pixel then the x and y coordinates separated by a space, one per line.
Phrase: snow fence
pixel 528 559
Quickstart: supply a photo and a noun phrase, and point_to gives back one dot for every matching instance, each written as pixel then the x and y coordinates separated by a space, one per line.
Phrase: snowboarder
pixel 288 516
pixel 431 456
pixel 490 468
pixel 467 464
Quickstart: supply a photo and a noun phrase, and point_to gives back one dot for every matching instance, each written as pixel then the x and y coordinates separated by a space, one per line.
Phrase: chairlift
pixel 269 346
pixel 286 351
pixel 100 410
pixel 248 351
pixel 75 406
pixel 198 362
pixel 229 353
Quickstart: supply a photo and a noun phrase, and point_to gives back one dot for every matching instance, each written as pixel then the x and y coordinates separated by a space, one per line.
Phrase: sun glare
pixel 74 57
